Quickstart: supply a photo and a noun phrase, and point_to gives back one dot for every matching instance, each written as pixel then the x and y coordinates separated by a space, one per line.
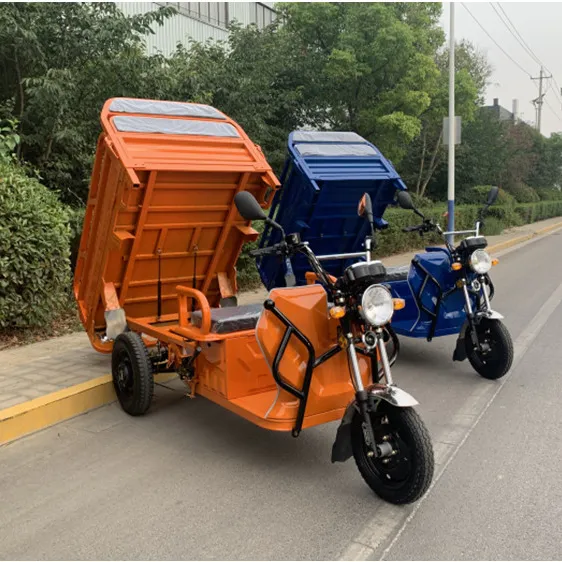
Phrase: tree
pixel 61 61
pixel 426 153
pixel 548 171
pixel 370 66
pixel 256 77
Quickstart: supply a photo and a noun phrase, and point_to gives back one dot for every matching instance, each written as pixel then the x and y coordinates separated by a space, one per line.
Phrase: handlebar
pixel 413 228
pixel 270 250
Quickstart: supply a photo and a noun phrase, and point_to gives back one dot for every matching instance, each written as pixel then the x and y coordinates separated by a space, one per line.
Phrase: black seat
pixel 396 274
pixel 231 319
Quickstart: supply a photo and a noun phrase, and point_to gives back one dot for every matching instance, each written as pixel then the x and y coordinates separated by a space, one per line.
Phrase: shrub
pixel 75 223
pixel 552 194
pixel 523 193
pixel 247 273
pixel 478 195
pixel 34 250
pixel 532 212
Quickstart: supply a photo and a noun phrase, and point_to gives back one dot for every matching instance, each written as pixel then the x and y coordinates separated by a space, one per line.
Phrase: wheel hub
pixel 124 376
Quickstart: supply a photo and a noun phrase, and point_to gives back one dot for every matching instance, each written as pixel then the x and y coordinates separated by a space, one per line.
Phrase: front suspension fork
pixel 361 395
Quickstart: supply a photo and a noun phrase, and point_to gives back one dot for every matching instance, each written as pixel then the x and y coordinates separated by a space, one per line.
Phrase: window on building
pixel 215 13
pixel 264 15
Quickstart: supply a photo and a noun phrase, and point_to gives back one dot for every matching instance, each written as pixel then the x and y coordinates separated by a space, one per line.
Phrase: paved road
pixel 191 481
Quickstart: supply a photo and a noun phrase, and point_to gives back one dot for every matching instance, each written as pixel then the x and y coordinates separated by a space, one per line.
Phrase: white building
pixel 199 21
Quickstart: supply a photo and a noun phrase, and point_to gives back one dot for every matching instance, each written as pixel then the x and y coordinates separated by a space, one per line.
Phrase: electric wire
pixel 495 42
pixel 515 32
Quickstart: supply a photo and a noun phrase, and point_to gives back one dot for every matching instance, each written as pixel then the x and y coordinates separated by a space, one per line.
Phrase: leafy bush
pixel 552 194
pixel 34 250
pixel 478 195
pixel 75 222
pixel 532 212
pixel 523 193
pixel 246 271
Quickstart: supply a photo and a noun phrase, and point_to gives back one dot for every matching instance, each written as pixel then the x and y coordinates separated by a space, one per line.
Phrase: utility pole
pixel 538 102
pixel 451 166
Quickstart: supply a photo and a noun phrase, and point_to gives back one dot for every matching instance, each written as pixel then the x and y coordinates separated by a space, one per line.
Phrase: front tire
pixel 132 373
pixel 496 361
pixel 405 476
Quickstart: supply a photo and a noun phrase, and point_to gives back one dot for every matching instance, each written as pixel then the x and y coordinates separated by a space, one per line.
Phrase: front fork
pixel 361 395
pixel 474 316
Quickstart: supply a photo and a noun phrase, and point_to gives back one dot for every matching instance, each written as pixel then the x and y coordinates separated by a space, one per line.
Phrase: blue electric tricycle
pixel 448 290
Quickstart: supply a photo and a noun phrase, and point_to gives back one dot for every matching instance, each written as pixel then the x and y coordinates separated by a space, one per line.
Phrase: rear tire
pixel 497 362
pixel 406 476
pixel 132 373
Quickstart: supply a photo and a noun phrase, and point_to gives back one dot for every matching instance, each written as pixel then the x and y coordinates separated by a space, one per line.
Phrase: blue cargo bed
pixel 325 175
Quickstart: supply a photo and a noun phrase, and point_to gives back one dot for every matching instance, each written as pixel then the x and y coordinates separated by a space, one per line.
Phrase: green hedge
pixel 523 193
pixel 34 251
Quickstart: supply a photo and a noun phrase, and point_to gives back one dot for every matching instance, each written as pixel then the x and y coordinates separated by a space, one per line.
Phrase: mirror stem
pixel 273 224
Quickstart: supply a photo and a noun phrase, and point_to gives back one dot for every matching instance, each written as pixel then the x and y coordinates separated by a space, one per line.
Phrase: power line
pixel 528 50
pixel 517 35
pixel 553 111
pixel 525 45
pixel 557 89
pixel 495 42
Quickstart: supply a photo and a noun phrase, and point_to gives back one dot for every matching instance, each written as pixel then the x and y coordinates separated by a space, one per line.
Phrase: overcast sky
pixel 540 25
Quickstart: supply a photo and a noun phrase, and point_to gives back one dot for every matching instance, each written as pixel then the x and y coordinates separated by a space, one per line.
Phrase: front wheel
pixel 496 355
pixel 402 473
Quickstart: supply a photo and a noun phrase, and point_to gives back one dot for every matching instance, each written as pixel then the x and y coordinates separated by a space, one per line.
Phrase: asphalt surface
pixel 192 481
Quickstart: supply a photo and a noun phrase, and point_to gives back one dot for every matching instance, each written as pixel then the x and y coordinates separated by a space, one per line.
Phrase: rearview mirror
pixel 248 207
pixel 492 195
pixel 404 200
pixel 365 208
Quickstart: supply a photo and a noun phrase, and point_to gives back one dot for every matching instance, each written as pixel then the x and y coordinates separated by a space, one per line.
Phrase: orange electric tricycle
pixel 174 189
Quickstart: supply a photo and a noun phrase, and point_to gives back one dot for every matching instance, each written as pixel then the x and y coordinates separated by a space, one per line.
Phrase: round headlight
pixel 376 305
pixel 480 261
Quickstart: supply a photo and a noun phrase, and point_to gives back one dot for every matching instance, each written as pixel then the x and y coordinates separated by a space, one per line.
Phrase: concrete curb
pixel 520 239
pixel 33 415
pixel 37 414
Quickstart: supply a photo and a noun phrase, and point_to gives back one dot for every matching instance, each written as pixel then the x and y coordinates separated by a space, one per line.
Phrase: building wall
pixel 198 21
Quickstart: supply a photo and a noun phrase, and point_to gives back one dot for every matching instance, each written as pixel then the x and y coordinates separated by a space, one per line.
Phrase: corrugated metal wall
pixel 180 27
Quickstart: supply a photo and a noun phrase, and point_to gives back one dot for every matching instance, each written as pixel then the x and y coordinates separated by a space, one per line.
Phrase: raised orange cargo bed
pixel 160 212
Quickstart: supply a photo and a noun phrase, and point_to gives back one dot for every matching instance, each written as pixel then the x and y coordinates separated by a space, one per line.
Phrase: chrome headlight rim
pixel 377 306
pixel 480 261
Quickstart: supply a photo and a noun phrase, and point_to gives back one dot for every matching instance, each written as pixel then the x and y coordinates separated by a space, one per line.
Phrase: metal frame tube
pixel 355 372
pixel 384 357
pixel 467 299
pixel 341 256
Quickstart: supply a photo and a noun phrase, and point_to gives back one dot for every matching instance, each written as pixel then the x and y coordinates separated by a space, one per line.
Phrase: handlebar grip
pixel 411 228
pixel 260 252
pixel 270 250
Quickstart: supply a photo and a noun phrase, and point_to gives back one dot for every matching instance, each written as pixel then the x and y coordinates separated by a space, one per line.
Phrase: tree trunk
pixel 432 165
pixel 22 99
pixel 422 163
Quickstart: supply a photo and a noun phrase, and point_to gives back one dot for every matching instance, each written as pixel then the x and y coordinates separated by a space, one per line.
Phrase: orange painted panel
pixel 161 199
pixel 331 386
pixel 234 368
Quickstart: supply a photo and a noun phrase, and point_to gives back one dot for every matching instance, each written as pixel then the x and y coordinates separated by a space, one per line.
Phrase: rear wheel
pixel 496 356
pixel 403 475
pixel 132 373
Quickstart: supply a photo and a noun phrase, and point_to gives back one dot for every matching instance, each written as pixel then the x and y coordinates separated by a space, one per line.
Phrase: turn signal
pixel 399 304
pixel 495 261
pixel 456 266
pixel 337 312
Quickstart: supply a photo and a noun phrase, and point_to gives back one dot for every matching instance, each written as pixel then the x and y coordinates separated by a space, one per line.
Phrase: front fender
pixel 491 315
pixel 396 397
